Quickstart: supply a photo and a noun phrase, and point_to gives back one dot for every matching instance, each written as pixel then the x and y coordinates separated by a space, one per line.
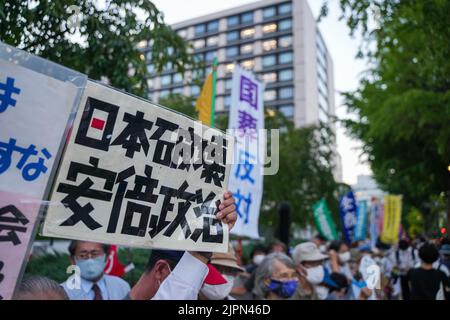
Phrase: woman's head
pixel 342 250
pixel 276 277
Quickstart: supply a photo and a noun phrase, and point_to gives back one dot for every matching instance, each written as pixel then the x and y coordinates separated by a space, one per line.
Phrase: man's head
pixel 276 277
pixel 428 253
pixel 159 266
pixel 40 288
pixel 309 261
pixel 319 240
pixel 340 285
pixel 277 246
pixel 90 257
pixel 258 253
pixel 403 244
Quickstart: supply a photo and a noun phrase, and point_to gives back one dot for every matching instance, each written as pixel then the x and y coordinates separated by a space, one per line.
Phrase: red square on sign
pixel 97 123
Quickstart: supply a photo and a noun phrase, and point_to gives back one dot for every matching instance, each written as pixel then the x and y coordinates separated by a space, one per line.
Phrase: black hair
pixel 403 244
pixel 428 253
pixel 320 237
pixel 157 255
pixel 73 247
pixel 258 247
pixel 340 281
pixel 336 245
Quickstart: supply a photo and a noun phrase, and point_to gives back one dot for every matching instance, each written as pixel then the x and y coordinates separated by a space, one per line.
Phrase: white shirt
pixel 185 281
pixel 111 288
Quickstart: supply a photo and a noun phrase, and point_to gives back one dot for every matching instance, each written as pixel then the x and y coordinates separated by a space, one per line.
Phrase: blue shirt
pixel 111 288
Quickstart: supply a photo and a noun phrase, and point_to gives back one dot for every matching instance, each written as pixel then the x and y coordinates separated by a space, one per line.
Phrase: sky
pixel 341 46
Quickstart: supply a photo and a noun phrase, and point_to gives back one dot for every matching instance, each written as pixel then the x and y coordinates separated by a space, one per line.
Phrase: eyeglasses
pixel 84 255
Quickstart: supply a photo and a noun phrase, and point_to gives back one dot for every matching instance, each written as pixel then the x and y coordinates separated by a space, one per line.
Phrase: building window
pixel 150 68
pixel 285 24
pixel 270 95
pixel 199 29
pixel 287 110
pixel 285 41
pixel 182 33
pixel 248 64
pixel 247 48
pixel 269 45
pixel 199 43
pixel 228 84
pixel 229 68
pixel 233 21
pixel 269 61
pixel 212 41
pixel 227 102
pixel 195 91
pixel 177 78
pixel 150 83
pixel 269 12
pixel 166 80
pixel 178 90
pixel 286 93
pixel 164 94
pixel 247 17
pixel 270 77
pixel 285 57
pixel 167 66
pixel 285 75
pixel 233 36
pixel 209 56
pixel 268 28
pixel 213 26
pixel 247 33
pixel 285 8
pixel 232 51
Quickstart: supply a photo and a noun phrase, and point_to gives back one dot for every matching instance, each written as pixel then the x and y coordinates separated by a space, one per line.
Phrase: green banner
pixel 324 221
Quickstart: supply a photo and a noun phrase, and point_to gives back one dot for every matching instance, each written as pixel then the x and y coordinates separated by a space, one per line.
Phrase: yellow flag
pixel 392 216
pixel 205 100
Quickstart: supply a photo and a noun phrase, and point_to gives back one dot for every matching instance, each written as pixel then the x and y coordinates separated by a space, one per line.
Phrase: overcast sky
pixel 342 49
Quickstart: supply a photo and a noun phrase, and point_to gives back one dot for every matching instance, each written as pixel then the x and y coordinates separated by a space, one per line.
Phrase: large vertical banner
pixel 361 221
pixel 141 175
pixel 347 209
pixel 392 217
pixel 36 100
pixel 246 178
pixel 324 221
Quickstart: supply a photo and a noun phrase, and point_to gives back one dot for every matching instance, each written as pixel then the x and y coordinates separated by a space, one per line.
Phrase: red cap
pixel 214 277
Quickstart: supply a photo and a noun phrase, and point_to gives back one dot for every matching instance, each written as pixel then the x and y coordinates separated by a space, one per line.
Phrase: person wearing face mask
pixel 226 265
pixel 309 261
pixel 92 283
pixel 340 257
pixel 404 258
pixel 276 277
pixel 321 242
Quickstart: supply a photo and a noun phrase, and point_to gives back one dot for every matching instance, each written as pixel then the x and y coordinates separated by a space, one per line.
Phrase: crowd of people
pixel 312 270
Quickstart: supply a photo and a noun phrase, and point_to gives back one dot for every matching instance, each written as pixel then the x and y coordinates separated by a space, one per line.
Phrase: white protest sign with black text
pixel 121 181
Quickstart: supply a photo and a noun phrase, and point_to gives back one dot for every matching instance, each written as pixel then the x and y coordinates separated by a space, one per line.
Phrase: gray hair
pixel 265 270
pixel 37 287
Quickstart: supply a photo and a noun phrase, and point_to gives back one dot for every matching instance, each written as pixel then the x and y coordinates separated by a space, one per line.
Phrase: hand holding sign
pixel 227 209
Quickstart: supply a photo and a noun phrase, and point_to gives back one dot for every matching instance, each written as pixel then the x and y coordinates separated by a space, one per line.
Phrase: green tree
pixel 403 101
pixel 105 46
pixel 180 103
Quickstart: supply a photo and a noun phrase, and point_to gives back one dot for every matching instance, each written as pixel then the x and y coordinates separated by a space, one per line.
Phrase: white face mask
pixel 323 248
pixel 257 259
pixel 344 257
pixel 220 291
pixel 315 275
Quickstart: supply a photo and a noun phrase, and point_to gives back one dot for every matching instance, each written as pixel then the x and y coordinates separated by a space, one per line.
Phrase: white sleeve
pixel 185 281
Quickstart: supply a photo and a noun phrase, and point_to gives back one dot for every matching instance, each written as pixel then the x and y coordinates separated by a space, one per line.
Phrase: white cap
pixel 308 251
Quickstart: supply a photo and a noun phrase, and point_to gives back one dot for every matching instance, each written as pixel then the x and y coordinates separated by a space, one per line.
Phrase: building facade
pixel 279 41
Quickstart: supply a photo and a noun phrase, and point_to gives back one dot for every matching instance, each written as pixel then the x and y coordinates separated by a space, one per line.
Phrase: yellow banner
pixel 392 217
pixel 204 101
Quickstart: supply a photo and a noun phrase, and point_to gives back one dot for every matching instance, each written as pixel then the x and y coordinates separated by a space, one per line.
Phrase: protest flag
pixel 205 104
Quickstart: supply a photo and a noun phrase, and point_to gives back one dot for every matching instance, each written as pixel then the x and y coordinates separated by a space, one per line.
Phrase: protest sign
pixel 140 175
pixel 324 221
pixel 347 209
pixel 361 221
pixel 37 98
pixel 246 179
pixel 392 217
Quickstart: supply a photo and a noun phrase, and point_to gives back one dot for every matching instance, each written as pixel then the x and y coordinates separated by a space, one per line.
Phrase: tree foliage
pixel 104 46
pixel 403 100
